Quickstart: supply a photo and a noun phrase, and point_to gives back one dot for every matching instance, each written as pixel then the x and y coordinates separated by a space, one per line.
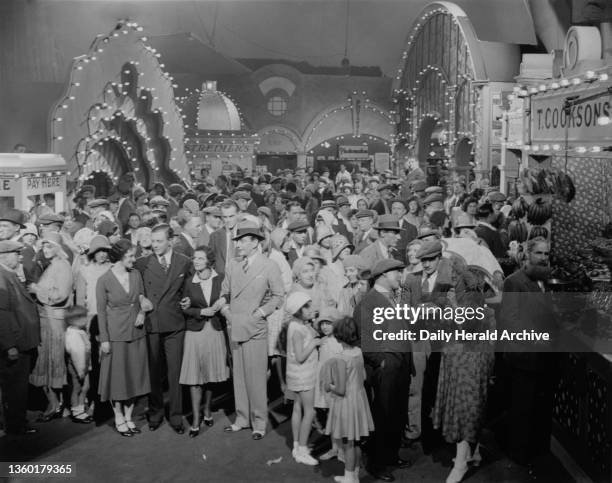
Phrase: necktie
pixel 425 284
pixel 245 265
pixel 163 263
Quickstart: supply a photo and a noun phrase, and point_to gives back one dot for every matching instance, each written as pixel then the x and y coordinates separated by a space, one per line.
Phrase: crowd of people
pixel 261 276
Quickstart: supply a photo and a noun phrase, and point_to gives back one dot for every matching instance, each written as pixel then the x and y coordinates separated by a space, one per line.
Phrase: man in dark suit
pixel 299 235
pixel 488 232
pixel 409 232
pixel 221 241
pixel 532 375
pixel 366 234
pixel 163 274
pixel 383 205
pixel 19 339
pixel 389 367
pixel 245 202
pixel 385 245
pixel 187 241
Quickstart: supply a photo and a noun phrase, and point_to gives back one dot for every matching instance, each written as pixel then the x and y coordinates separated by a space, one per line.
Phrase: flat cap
pixel 275 180
pixel 386 265
pixel 388 222
pixel 299 225
pixel 49 218
pixel 176 189
pixel 98 202
pixel 430 249
pixel 342 201
pixel 385 187
pixel 365 214
pixel 433 198
pixel 241 195
pixel 428 229
pixel 159 200
pixel 434 189
pixel 328 204
pixel 496 196
pixel 245 187
pixel 9 246
pixel 267 212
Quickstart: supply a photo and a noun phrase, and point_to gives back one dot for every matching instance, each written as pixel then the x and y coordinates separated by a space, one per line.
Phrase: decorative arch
pixel 217 112
pixel 118 92
pixel 441 60
pixel 345 119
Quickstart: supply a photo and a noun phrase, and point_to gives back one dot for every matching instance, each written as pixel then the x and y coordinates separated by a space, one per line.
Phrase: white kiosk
pixel 29 179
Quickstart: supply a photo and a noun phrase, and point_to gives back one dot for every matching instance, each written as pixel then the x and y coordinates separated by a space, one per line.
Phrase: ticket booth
pixel 28 180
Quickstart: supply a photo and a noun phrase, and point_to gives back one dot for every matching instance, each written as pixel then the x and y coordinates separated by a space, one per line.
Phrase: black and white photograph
pixel 306 241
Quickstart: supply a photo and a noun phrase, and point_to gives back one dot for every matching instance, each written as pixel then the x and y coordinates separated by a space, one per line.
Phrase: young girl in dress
pixel 349 420
pixel 302 343
pixel 328 349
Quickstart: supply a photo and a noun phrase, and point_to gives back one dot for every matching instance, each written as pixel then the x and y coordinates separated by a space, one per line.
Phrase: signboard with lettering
pixel 353 152
pixel 551 123
pixel 44 184
pixel 222 154
pixel 8 187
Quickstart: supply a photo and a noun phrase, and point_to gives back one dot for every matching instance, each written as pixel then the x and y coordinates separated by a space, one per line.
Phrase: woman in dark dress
pixel 124 367
pixel 205 350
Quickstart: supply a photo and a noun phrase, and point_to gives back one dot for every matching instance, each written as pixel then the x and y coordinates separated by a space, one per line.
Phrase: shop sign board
pixel 8 187
pixel 550 123
pixel 353 152
pixel 43 184
pixel 221 154
pixel 381 161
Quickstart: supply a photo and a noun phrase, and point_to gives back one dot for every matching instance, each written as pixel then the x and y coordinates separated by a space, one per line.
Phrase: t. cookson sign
pixel 551 122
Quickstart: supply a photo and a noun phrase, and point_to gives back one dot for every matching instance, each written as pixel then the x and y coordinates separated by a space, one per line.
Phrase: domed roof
pixel 216 112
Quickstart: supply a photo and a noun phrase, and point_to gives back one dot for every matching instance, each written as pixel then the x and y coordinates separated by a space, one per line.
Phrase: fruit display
pixel 548 181
pixel 539 211
pixel 602 246
pixel 518 231
pixel 537 231
pixel 519 207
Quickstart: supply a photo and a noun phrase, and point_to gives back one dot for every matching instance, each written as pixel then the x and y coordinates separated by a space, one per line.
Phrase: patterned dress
pixel 300 376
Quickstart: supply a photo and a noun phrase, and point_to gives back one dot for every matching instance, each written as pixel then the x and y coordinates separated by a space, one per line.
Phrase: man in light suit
pixel 251 291
pixel 221 241
pixel 163 273
pixel 19 339
pixel 384 247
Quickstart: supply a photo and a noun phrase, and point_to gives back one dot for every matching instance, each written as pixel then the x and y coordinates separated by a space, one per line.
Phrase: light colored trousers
pixel 250 360
pixel 415 397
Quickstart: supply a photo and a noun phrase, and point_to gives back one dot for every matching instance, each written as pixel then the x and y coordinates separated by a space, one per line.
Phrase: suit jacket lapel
pixel 245 278
pixel 171 273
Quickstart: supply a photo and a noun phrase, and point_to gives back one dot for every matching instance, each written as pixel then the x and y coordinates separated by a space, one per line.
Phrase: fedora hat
pixel 249 231
pixel 387 222
pixel 14 216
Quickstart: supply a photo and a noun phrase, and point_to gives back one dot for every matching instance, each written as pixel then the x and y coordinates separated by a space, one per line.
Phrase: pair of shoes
pixel 381 474
pixel 257 435
pixel 302 455
pixel 401 464
pixel 153 425
pixel 332 453
pixel 209 421
pixel 132 427
pixel 194 431
pixel 457 474
pixel 178 429
pixel 81 418
pixel 233 428
pixel 124 430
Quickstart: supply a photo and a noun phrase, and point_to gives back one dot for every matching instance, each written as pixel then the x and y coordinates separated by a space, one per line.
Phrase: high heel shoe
pixel 209 421
pixel 56 414
pixel 132 427
pixel 124 430
pixel 194 431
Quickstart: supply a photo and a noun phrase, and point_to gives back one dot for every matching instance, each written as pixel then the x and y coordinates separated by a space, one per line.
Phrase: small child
pixel 78 349
pixel 350 419
pixel 302 357
pixel 328 349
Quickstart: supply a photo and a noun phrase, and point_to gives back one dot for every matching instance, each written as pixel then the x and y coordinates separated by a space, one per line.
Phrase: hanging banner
pixel 221 154
pixel 551 123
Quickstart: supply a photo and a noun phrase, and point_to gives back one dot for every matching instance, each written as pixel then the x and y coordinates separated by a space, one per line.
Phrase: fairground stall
pixel 558 156
pixel 29 180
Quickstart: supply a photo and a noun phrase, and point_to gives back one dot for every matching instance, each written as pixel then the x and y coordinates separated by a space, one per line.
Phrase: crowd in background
pixel 271 275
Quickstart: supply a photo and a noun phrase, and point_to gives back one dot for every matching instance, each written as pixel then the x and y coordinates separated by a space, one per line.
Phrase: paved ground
pixel 102 455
